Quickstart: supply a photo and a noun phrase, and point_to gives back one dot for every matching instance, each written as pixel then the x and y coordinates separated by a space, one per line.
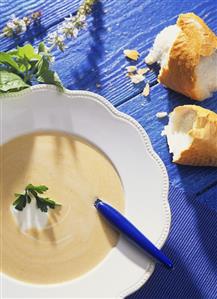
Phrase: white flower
pixel 16 25
pixel 70 18
pixel 62 29
pixel 66 24
pixel 70 26
pixel 75 32
pixel 68 29
pixel 84 26
pixel 11 25
pixel 82 18
pixel 52 59
pixel 56 39
pixel 22 26
pixel 54 36
pixel 65 29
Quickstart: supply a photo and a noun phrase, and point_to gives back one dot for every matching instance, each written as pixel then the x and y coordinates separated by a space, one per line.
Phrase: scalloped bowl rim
pixel 124 117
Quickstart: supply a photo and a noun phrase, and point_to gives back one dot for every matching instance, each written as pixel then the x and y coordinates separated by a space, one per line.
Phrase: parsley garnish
pixel 31 192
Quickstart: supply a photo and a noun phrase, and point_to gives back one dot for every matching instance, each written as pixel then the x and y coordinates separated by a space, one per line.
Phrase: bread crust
pixel 203 149
pixel 194 40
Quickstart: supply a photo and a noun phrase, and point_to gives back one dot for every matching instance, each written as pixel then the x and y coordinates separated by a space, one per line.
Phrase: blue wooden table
pixel 95 62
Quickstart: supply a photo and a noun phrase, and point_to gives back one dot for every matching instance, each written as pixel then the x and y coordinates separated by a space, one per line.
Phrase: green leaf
pixel 28 51
pixel 5 58
pixel 11 82
pixel 39 189
pixel 45 75
pixel 49 202
pixel 20 202
pixel 28 198
pixel 42 48
pixel 44 51
pixel 17 200
pixel 13 53
pixel 17 194
pixel 24 64
pixel 25 56
pixel 31 65
pixel 42 203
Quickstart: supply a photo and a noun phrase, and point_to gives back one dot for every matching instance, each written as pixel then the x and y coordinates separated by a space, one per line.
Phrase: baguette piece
pixel 187 53
pixel 192 135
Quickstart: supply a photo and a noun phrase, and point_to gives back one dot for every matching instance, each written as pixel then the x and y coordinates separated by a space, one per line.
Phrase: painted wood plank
pixel 95 60
pixel 191 179
pixel 53 12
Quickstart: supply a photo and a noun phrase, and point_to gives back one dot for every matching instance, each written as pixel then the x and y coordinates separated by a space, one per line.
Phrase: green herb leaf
pixel 27 51
pixel 20 202
pixel 17 194
pixel 45 75
pixel 28 65
pixel 5 58
pixel 24 56
pixel 24 64
pixel 39 189
pixel 13 53
pixel 32 191
pixel 42 48
pixel 45 203
pixel 11 82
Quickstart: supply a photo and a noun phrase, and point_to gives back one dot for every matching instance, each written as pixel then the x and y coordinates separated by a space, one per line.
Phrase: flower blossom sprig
pixel 71 26
pixel 26 65
pixel 16 26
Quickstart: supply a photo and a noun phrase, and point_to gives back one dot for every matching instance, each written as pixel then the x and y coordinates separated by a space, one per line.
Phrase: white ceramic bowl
pixel 143 175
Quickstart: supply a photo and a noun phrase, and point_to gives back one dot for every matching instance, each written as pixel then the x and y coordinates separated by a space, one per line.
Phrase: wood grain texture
pixel 53 12
pixel 95 60
pixel 191 179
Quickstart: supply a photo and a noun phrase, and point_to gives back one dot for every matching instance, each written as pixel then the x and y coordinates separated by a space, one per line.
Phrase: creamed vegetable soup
pixel 74 237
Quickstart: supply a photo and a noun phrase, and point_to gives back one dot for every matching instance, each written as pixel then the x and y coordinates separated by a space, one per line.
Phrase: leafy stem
pixel 25 64
pixel 34 192
pixel 26 75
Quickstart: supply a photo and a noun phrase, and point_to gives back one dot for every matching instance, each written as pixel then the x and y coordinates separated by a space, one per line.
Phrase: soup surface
pixel 75 238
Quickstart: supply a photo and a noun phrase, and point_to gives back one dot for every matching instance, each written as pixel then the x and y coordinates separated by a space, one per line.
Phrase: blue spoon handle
pixel 127 228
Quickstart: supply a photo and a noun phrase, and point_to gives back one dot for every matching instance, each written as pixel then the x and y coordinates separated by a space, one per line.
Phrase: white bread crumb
pixel 131 54
pixel 161 114
pixel 136 78
pixel 131 68
pixel 143 71
pixel 146 90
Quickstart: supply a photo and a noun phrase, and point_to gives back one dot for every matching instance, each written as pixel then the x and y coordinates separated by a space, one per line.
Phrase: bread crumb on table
pixel 136 75
pixel 131 54
pixel 131 68
pixel 161 114
pixel 136 78
pixel 146 90
pixel 143 71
